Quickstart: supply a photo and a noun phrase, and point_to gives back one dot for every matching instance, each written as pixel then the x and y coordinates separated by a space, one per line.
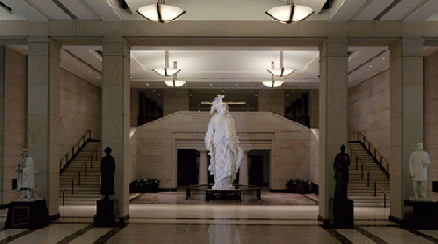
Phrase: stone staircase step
pixel 89 190
pixel 358 191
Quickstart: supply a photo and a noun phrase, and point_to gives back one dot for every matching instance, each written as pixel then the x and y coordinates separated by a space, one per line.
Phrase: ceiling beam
pixel 424 12
pixel 108 10
pixel 26 10
pixel 345 10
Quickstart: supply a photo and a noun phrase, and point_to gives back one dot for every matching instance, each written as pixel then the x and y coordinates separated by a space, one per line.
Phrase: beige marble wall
pixel 368 104
pixel 159 140
pixel 15 120
pixel 431 118
pixel 80 110
pixel 271 100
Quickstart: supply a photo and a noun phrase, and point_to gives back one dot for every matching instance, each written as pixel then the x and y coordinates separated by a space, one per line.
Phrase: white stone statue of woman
pixel 418 162
pixel 221 140
pixel 26 175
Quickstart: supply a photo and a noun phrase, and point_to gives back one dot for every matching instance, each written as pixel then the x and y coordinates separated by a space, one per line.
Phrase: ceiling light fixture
pixel 281 72
pixel 174 82
pixel 166 71
pixel 290 13
pixel 160 13
pixel 272 83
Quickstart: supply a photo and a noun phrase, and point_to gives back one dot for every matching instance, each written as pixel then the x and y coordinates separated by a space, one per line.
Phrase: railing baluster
pixel 375 189
pixel 368 179
pixel 79 178
pixel 72 182
pixel 357 163
pixel 361 171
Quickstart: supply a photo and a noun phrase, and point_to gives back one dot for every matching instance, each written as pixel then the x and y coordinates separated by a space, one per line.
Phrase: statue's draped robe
pixel 418 162
pixel 342 162
pixel 26 179
pixel 225 154
pixel 107 168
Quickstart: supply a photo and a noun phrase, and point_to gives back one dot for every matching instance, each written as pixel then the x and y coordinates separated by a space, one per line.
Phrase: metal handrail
pixel 73 151
pixel 383 163
pixel 376 185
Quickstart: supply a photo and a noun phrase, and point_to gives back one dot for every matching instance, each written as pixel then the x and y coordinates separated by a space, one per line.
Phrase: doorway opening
pixel 188 167
pixel 258 167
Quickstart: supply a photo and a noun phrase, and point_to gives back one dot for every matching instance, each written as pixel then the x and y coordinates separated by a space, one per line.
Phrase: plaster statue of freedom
pixel 221 140
pixel 26 175
pixel 418 162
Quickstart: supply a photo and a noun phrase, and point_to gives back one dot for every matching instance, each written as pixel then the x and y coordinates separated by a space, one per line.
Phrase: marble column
pixel 333 103
pixel 3 177
pixel 406 113
pixel 203 167
pixel 44 116
pixel 115 114
pixel 243 171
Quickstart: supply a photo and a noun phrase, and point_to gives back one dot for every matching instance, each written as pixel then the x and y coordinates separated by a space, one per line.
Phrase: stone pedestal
pixel 420 215
pixel 105 214
pixel 27 214
pixel 341 214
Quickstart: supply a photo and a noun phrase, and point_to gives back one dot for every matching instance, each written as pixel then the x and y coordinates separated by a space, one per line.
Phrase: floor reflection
pixel 224 234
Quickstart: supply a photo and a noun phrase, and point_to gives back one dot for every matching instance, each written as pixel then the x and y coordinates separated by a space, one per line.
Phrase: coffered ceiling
pixel 221 67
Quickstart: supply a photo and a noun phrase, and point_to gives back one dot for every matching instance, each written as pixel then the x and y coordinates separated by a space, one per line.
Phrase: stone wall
pixel 80 110
pixel 159 140
pixel 15 119
pixel 270 100
pixel 369 112
pixel 431 118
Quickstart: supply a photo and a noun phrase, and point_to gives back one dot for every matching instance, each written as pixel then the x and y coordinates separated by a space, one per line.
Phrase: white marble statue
pixel 221 140
pixel 26 175
pixel 418 162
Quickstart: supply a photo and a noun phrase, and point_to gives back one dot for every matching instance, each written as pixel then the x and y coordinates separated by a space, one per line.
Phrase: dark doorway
pixel 188 167
pixel 258 167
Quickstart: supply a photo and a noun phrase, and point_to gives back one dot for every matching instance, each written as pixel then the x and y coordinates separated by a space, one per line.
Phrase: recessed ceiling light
pixel 371 66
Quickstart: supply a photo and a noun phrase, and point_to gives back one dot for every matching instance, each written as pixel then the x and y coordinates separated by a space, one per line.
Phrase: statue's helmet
pixel 217 103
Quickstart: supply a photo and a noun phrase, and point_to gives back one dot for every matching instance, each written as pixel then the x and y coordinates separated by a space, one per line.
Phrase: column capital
pixel 334 47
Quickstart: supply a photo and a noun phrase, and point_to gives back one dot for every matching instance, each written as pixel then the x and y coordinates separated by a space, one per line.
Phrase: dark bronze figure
pixel 107 168
pixel 342 162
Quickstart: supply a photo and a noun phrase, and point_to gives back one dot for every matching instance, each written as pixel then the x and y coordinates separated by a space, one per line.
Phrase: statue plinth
pixel 27 213
pixel 105 214
pixel 223 187
pixel 420 215
pixel 341 213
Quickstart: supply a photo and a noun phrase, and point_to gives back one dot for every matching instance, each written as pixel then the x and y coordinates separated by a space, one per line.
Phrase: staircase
pixel 86 183
pixel 358 191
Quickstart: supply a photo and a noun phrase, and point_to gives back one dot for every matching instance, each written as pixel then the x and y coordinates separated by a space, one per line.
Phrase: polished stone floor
pixel 162 223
